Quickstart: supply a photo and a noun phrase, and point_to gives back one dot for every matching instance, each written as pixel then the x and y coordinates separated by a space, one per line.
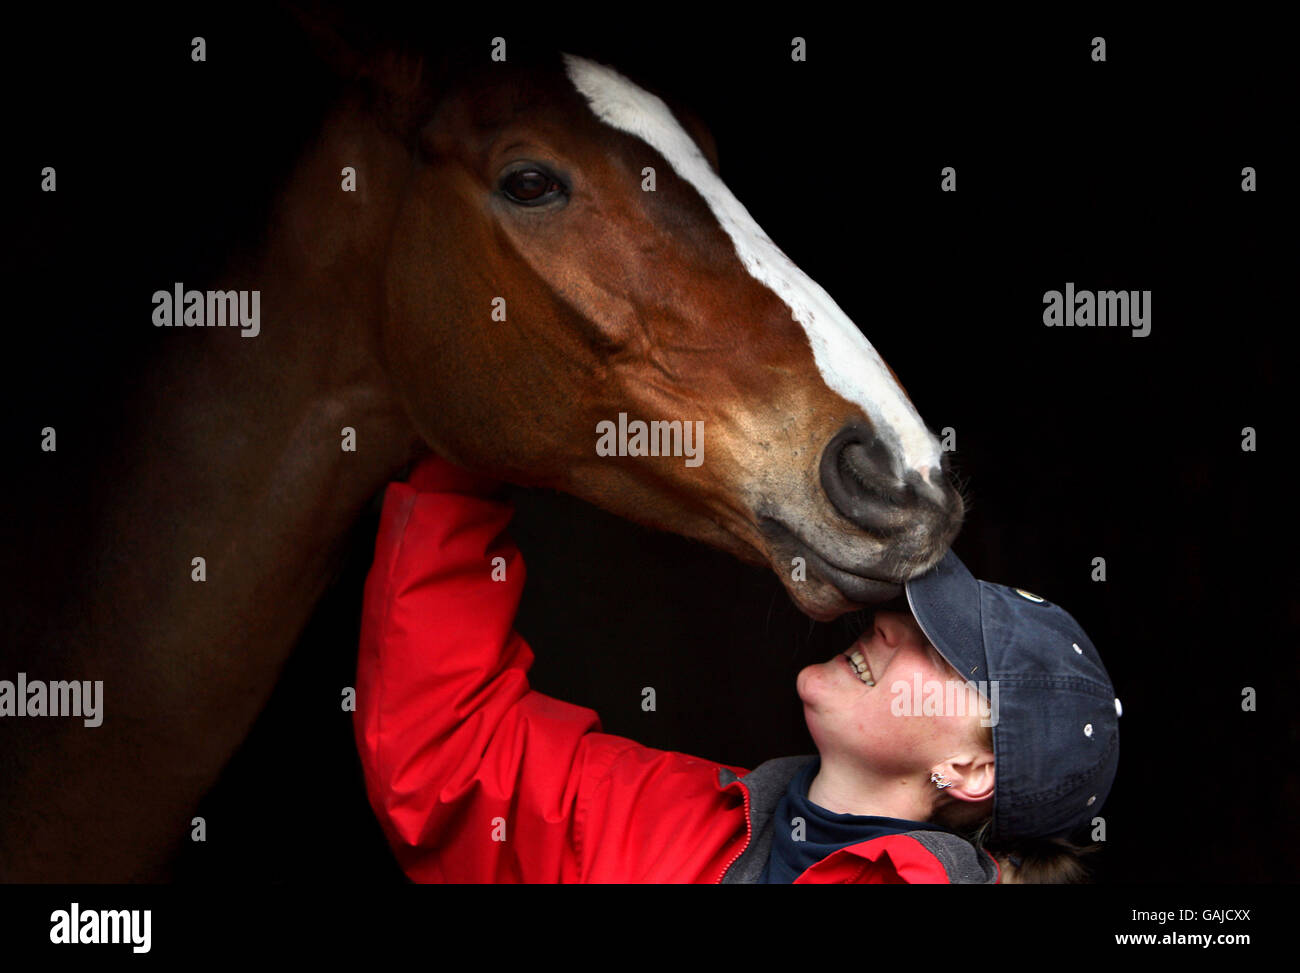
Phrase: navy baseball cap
pixel 1056 723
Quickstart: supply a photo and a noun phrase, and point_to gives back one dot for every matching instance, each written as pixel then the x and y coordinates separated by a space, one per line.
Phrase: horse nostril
pixel 866 462
pixel 859 477
pixel 931 485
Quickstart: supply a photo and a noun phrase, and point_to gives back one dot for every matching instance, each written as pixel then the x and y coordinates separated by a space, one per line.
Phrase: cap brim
pixel 946 604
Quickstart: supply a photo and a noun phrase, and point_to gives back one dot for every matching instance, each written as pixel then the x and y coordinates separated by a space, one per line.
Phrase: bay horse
pixel 501 282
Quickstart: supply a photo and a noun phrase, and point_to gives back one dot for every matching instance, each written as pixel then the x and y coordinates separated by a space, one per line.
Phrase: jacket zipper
pixel 749 835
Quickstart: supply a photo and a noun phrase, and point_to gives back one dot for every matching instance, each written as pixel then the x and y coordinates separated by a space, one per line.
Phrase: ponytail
pixel 1042 861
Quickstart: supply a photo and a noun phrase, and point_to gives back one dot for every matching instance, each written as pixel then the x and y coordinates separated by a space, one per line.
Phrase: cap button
pixel 1087 729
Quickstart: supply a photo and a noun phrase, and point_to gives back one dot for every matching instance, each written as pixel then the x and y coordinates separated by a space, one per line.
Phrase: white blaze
pixel 848 363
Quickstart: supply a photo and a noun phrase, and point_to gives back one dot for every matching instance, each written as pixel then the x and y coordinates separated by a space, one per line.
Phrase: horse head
pixel 565 262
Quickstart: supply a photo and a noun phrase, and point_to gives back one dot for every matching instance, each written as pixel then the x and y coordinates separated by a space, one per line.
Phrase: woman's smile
pixel 858 665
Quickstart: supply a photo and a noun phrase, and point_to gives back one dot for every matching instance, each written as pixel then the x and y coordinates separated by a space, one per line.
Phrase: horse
pixel 530 251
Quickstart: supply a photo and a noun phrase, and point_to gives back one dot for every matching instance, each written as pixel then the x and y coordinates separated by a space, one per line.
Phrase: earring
pixel 940 781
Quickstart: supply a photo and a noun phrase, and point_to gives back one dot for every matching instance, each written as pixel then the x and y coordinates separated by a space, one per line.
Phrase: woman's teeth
pixel 859 663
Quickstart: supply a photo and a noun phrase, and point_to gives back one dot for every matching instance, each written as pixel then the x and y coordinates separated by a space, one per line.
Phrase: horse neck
pixel 234 454
pixel 286 395
pixel 241 444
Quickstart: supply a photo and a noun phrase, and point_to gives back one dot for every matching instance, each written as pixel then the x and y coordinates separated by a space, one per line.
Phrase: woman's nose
pixel 897 629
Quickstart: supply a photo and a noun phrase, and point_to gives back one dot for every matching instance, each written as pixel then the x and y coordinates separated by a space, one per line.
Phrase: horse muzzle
pixel 871 529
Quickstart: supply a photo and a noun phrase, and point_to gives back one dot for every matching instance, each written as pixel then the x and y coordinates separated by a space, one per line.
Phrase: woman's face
pixel 918 714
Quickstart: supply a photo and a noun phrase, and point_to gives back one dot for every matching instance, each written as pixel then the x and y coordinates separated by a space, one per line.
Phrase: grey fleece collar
pixel 963 862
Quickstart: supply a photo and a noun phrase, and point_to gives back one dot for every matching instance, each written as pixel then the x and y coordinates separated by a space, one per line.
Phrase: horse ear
pixel 359 53
pixel 341 49
pixel 400 86
pixel 703 137
pixel 697 130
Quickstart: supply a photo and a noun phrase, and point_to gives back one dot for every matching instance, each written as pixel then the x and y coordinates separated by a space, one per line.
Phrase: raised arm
pixel 444 712
pixel 474 776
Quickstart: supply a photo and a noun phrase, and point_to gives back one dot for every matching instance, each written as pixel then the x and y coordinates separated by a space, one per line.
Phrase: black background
pixel 1072 443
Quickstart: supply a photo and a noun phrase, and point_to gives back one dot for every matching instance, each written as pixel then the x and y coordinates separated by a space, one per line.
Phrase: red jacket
pixel 475 777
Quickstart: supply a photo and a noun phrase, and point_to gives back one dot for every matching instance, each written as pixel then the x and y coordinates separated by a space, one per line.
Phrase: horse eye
pixel 530 187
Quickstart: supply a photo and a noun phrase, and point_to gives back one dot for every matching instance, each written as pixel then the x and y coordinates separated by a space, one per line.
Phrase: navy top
pixel 822 831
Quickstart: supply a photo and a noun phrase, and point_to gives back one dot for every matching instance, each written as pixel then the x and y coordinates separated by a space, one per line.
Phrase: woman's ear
pixel 971 774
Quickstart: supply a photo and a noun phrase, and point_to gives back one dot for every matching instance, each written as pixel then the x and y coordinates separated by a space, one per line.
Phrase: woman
pixel 960 741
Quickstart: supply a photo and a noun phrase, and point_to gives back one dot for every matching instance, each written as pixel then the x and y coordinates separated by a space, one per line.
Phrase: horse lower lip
pixel 860 588
pixel 850 582
pixel 852 586
pixel 866 590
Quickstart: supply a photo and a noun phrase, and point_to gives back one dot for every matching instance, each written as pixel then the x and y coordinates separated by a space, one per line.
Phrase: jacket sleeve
pixel 474 776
